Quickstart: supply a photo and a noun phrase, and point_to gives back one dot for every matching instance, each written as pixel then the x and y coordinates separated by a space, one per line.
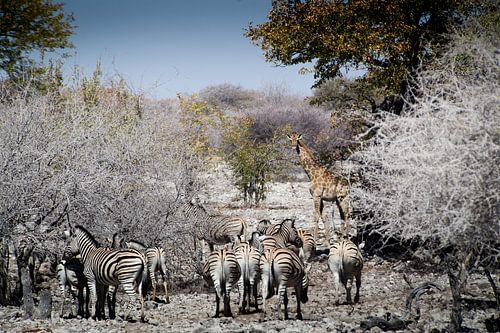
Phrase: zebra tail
pixel 270 287
pixel 144 279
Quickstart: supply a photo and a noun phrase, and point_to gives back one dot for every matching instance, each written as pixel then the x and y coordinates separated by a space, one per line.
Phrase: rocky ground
pixel 383 291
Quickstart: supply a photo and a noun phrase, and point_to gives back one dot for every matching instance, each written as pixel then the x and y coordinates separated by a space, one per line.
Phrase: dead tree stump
pixel 45 305
pixel 28 302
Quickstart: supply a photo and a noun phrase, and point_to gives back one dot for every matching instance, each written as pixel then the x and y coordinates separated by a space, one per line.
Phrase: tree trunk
pixel 45 306
pixel 4 273
pixel 28 302
pixel 457 277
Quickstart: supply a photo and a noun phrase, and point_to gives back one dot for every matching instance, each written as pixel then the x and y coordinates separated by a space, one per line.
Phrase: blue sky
pixel 166 47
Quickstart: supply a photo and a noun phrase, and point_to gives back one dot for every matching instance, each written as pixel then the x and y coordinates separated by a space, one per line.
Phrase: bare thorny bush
pixel 107 167
pixel 432 174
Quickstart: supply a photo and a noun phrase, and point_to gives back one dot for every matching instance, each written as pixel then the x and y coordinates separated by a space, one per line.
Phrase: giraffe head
pixel 294 139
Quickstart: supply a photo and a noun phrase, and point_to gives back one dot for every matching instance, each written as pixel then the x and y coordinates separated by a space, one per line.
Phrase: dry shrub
pixel 106 167
pixel 433 173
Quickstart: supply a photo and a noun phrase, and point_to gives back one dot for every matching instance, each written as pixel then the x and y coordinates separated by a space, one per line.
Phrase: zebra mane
pixel 88 235
pixel 285 221
pixel 136 245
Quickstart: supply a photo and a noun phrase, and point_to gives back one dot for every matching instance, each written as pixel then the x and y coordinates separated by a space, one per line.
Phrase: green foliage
pixel 253 163
pixel 201 118
pixel 31 25
pixel 385 38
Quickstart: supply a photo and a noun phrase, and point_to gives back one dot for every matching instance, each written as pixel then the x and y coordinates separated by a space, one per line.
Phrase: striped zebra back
pixel 215 229
pixel 156 259
pixel 225 229
pixel 262 226
pixel 283 266
pixel 308 249
pixel 346 257
pixel 109 266
pixel 271 242
pixel 248 258
pixel 286 231
pixel 221 270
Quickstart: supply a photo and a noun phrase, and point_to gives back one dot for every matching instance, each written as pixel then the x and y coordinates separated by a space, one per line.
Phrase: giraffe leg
pixel 317 216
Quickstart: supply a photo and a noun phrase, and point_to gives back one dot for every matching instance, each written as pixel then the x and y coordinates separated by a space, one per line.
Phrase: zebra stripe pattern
pixel 282 268
pixel 70 275
pixel 222 271
pixel 156 260
pixel 262 226
pixel 308 249
pixel 108 267
pixel 345 262
pixel 249 260
pixel 214 229
pixel 284 232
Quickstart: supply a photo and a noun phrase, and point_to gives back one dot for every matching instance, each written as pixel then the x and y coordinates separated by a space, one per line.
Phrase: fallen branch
pixel 415 294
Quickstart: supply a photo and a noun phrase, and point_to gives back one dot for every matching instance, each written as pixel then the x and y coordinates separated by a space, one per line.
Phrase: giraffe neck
pixel 307 160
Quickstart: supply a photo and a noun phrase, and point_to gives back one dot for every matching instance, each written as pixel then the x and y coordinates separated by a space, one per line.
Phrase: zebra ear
pixel 289 137
pixel 299 137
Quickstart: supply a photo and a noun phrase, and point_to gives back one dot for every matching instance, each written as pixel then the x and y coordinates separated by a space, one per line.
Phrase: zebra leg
pixel 249 288
pixel 153 283
pixel 241 289
pixel 80 301
pixel 110 294
pixel 283 299
pixel 336 285
pixel 348 288
pixel 317 216
pixel 63 289
pixel 132 296
pixel 217 304
pixel 166 290
pixel 227 303
pixel 227 306
pixel 93 298
pixel 343 205
pixel 358 285
pixel 298 292
pixel 254 290
pixel 87 300
pixel 265 296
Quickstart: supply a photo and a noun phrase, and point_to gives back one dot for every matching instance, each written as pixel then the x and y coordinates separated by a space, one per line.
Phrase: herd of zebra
pixel 276 256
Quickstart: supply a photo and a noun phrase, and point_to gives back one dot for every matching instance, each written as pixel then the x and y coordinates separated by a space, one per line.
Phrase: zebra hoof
pixel 298 316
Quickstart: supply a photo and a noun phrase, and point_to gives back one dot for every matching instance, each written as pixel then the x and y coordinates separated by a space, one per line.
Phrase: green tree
pixel 31 25
pixel 254 163
pixel 387 38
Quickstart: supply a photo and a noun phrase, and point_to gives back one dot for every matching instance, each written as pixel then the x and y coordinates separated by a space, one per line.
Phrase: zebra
pixel 214 229
pixel 308 249
pixel 283 234
pixel 156 259
pixel 70 275
pixel 249 260
pixel 262 226
pixel 282 268
pixel 222 271
pixel 108 267
pixel 345 262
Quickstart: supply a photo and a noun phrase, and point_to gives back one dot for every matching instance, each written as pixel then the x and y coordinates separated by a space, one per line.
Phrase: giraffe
pixel 325 186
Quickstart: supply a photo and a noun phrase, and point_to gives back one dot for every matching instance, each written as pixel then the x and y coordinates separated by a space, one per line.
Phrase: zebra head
pixel 81 241
pixel 288 230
